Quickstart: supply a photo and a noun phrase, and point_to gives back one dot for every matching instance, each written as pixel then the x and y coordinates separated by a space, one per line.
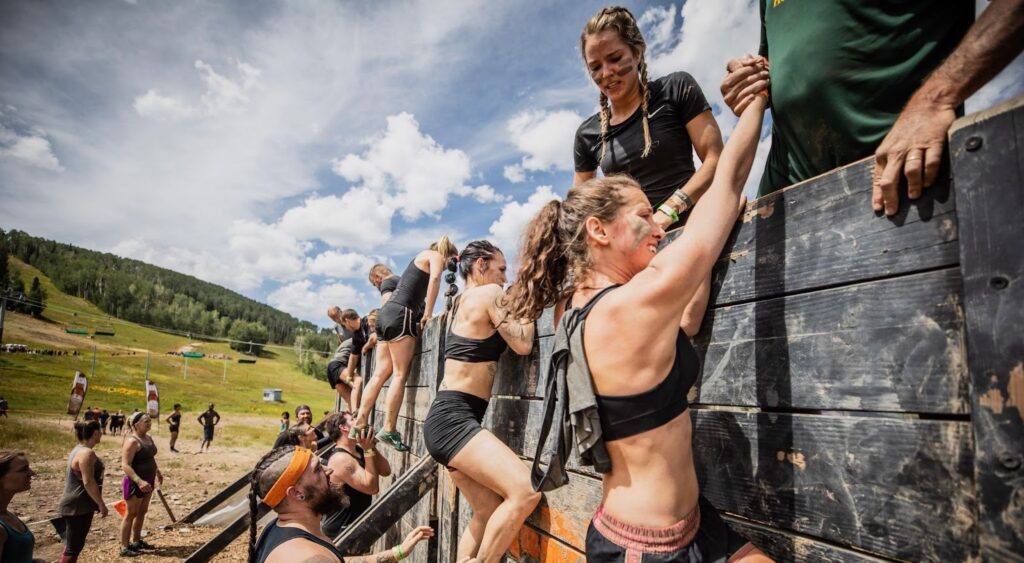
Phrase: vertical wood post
pixel 987 152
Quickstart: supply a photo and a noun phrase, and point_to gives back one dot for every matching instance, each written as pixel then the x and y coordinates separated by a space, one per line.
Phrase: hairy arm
pixel 346 468
pixel 518 333
pixel 913 147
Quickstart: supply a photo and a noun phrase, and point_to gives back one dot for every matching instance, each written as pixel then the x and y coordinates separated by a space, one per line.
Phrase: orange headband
pixel 296 467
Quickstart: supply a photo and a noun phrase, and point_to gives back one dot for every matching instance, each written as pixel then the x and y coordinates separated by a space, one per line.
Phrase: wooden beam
pixel 987 152
pixel 387 510
pixel 216 500
pixel 227 535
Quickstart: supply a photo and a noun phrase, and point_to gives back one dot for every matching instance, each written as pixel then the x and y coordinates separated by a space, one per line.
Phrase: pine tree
pixel 37 298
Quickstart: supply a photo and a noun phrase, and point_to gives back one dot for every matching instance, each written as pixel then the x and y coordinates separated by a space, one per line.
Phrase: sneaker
pixel 356 431
pixel 129 552
pixel 140 545
pixel 393 439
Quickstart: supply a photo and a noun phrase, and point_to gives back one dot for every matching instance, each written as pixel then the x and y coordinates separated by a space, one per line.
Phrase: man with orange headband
pixel 292 482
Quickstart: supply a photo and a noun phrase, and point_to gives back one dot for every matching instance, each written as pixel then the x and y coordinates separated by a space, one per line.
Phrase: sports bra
pixel 623 416
pixel 473 350
pixel 412 288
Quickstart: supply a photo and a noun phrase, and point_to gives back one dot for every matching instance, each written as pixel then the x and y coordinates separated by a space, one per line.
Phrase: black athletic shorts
pixel 397 321
pixel 334 370
pixel 702 536
pixel 454 418
pixel 207 432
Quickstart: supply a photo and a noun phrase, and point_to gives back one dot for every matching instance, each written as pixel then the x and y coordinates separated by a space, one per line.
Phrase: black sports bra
pixel 623 416
pixel 472 350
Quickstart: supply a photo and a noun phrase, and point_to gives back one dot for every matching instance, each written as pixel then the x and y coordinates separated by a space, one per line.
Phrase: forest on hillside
pixel 146 294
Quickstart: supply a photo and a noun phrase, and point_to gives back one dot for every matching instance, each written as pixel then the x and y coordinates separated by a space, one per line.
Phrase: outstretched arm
pixel 913 147
pixel 436 267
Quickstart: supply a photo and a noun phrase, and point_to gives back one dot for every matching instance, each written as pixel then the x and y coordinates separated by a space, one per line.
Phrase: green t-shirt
pixel 841 72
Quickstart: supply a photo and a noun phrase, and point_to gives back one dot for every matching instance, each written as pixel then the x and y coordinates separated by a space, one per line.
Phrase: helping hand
pixel 416 536
pixel 745 78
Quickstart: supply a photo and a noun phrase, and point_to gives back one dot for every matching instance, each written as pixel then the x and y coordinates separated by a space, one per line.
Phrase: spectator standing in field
pixel 16 541
pixel 3 407
pixel 87 415
pixel 174 425
pixel 209 419
pixel 891 85
pixel 285 421
pixel 83 490
pixel 141 475
pixel 104 419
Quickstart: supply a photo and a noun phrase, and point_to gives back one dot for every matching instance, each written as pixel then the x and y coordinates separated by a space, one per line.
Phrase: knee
pixel 525 500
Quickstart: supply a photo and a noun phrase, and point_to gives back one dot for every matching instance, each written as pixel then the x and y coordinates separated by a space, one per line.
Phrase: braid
pixel 645 93
pixel 261 480
pixel 603 100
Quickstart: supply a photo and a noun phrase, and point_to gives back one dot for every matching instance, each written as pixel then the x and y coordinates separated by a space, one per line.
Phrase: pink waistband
pixel 648 540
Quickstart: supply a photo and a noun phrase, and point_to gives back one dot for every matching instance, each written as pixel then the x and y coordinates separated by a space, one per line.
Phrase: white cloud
pixel 415 171
pixel 358 219
pixel 33 149
pixel 222 95
pixel 658 25
pixel 507 231
pixel 306 301
pixel 336 264
pixel 546 137
pixel 203 264
pixel 156 105
pixel 266 250
pixel 487 194
pixel 514 174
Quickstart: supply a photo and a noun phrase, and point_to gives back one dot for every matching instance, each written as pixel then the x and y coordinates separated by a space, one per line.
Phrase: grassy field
pixel 38 385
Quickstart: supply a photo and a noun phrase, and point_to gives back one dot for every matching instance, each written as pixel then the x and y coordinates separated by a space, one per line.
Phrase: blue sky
pixel 281 148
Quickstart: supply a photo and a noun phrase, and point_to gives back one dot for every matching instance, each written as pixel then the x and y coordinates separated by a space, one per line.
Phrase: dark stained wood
pixel 388 508
pixel 822 233
pixel 893 487
pixel 891 345
pixel 448 500
pixel 216 500
pixel 988 163
pixel 787 546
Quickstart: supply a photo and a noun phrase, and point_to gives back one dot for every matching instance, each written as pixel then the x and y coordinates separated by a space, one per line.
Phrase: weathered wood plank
pixel 448 500
pixel 891 345
pixel 422 371
pixel 388 508
pixel 786 546
pixel 822 233
pixel 227 535
pixel 988 163
pixel 897 488
pixel 533 545
pixel 216 500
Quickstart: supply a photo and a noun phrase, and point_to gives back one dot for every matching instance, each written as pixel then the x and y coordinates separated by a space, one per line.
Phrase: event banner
pixel 78 388
pixel 152 401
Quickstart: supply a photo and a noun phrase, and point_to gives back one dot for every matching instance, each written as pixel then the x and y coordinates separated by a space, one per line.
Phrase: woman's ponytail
pixel 543 265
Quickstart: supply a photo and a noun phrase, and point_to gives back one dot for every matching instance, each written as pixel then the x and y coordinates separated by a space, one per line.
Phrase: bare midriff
pixel 474 378
pixel 653 482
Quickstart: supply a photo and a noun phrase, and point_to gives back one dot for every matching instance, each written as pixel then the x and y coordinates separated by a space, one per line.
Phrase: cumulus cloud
pixel 546 138
pixel 514 174
pixel 32 148
pixel 340 265
pixel 658 24
pixel 222 95
pixel 308 301
pixel 415 172
pixel 359 219
pixel 266 250
pixel 507 230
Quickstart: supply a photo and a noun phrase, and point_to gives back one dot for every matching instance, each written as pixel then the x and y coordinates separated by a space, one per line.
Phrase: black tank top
pixel 274 535
pixel 144 462
pixel 623 416
pixel 412 288
pixel 473 350
pixel 333 524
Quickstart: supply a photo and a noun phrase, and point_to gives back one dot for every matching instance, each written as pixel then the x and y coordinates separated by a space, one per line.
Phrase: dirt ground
pixel 189 479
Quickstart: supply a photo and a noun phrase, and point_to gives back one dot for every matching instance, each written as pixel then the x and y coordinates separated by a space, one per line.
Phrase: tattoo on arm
pixel 512 330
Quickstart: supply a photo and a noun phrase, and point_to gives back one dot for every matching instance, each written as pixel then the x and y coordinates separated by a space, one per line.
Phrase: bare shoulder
pixel 301 549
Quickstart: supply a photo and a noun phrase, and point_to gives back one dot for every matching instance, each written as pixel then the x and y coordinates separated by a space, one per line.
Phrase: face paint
pixel 641 230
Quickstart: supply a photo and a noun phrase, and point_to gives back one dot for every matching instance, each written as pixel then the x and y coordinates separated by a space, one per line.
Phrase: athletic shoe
pixel 140 545
pixel 393 439
pixel 129 552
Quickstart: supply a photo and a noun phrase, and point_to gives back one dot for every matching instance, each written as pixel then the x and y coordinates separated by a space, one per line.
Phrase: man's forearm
pixel 989 45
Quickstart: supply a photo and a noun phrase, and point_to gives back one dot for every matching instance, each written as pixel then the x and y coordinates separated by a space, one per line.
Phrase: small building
pixel 272 395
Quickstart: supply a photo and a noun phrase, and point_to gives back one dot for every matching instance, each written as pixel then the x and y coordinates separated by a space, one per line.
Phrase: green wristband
pixel 669 211
pixel 398 553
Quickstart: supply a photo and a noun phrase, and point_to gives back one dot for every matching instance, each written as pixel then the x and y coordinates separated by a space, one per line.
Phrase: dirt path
pixel 189 479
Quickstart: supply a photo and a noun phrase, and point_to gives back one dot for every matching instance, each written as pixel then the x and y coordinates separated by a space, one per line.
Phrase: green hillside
pixel 147 294
pixel 38 385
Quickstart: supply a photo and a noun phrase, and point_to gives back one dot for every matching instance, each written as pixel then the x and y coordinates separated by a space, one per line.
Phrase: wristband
pixel 369 453
pixel 669 211
pixel 687 202
pixel 398 553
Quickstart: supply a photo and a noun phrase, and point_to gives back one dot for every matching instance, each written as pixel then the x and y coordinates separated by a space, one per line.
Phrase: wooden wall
pixel 833 419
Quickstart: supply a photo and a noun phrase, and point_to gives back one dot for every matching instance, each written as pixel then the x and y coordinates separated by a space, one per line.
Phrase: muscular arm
pixel 385 556
pixel 436 267
pixel 363 480
pixel 913 147
pixel 518 333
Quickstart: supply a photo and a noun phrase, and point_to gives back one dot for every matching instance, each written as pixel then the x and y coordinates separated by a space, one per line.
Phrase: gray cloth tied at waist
pixel 570 409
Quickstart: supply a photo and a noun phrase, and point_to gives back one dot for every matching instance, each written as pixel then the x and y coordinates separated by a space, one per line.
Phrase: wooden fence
pixel 862 378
